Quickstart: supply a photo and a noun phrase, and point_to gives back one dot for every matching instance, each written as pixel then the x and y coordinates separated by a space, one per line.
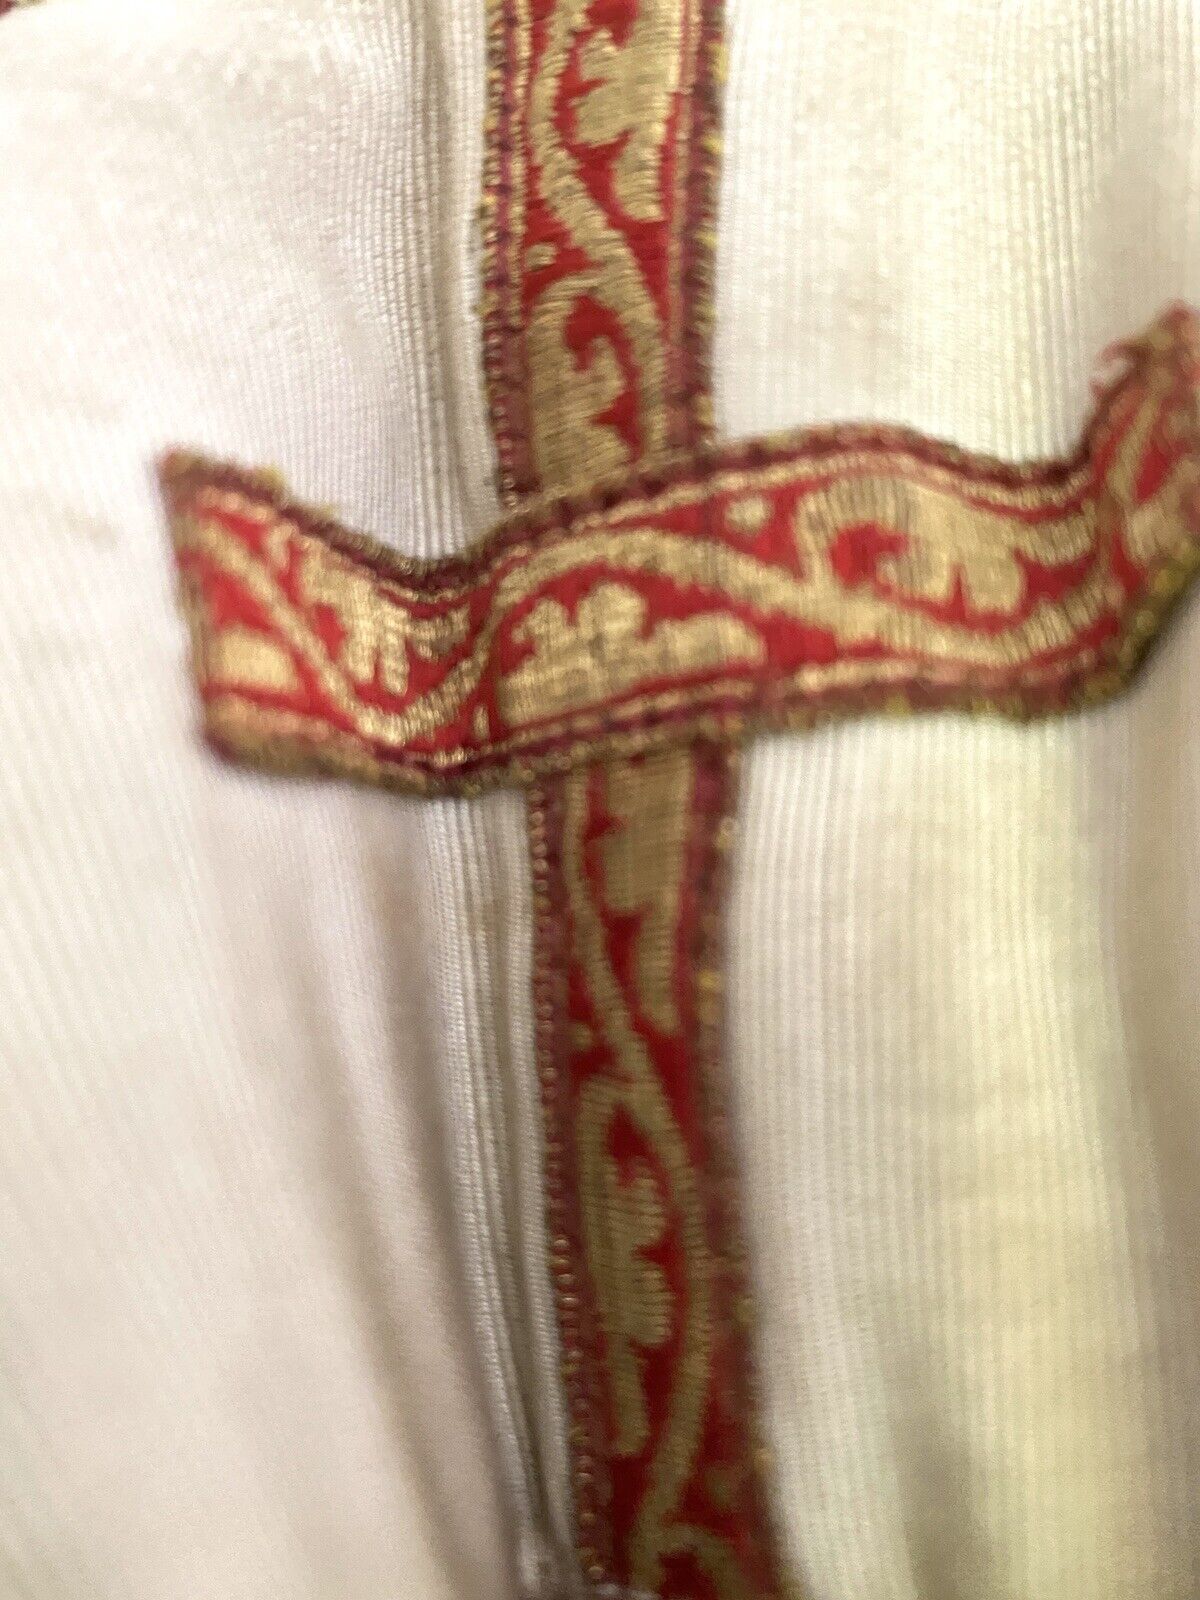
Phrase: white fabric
pixel 273 1316
pixel 236 1359
pixel 966 1073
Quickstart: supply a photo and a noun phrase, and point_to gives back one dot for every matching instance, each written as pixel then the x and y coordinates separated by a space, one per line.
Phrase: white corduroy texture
pixel 963 1002
pixel 239 1016
pixel 274 1315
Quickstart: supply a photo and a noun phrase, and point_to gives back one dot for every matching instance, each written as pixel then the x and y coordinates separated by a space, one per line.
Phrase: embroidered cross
pixel 651 600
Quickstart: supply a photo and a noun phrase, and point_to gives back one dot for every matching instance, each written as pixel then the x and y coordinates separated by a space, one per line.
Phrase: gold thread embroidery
pixel 247 659
pixel 568 394
pixel 607 641
pixel 643 868
pixel 878 558
pixel 377 636
pixel 622 1217
pixel 635 1087
pixel 590 141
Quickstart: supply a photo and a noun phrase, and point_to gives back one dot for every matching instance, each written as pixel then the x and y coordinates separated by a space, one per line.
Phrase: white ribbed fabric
pixel 274 1313
pixel 963 995
pixel 239 1016
pixel 965 1071
pixel 939 213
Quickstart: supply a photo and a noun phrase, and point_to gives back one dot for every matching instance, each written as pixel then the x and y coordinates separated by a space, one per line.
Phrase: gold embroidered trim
pixel 762 586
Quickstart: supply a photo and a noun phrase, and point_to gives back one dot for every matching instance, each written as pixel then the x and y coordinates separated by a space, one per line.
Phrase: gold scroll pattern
pixel 619 1220
pixel 591 318
pixel 582 662
pixel 568 396
pixel 602 206
pixel 643 868
pixel 916 565
pixel 610 639
pixel 653 1266
pixel 379 634
pixel 590 212
pixel 633 84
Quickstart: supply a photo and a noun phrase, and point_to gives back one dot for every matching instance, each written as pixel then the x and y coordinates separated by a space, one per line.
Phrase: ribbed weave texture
pixel 938 214
pixel 236 1358
pixel 965 1076
pixel 963 1001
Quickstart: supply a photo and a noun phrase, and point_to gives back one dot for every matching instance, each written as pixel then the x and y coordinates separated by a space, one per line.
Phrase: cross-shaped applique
pixel 651 600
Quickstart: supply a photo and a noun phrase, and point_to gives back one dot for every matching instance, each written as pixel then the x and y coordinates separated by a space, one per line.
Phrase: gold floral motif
pixel 568 393
pixel 880 546
pixel 632 1300
pixel 633 85
pixel 293 627
pixel 378 633
pixel 946 541
pixel 607 644
pixel 622 1217
pixel 637 879
pixel 748 514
